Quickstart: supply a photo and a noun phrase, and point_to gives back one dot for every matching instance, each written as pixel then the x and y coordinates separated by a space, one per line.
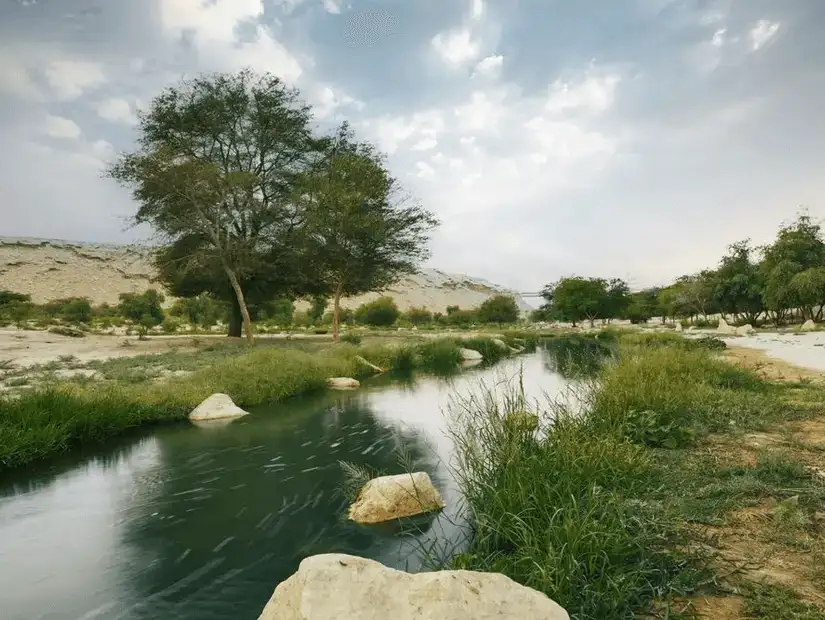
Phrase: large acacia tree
pixel 362 230
pixel 213 174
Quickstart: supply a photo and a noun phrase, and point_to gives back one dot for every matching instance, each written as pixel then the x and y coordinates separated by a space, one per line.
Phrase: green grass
pixel 776 603
pixel 594 508
pixel 59 416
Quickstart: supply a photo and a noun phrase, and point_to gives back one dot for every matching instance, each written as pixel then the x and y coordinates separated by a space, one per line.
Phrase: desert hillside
pixel 50 269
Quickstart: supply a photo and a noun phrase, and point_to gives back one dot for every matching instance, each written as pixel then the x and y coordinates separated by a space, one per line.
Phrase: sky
pixel 632 138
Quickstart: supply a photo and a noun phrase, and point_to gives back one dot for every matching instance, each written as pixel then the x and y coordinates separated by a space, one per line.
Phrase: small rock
pixel 216 407
pixel 65 330
pixel 336 587
pixel 808 326
pixel 387 498
pixel 469 355
pixel 745 330
pixel 343 383
pixel 498 342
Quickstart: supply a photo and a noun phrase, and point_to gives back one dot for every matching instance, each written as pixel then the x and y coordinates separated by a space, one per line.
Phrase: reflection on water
pixel 203 522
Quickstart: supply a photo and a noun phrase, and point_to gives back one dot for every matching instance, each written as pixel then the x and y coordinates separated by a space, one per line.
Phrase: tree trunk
pixel 336 314
pixel 235 320
pixel 247 321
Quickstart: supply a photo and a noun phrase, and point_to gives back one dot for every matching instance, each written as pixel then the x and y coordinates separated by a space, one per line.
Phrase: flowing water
pixel 189 522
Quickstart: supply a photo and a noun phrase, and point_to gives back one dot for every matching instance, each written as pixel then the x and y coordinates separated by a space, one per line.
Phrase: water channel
pixel 186 522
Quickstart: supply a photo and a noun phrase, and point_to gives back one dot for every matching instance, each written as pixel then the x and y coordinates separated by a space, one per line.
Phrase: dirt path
pixel 769 367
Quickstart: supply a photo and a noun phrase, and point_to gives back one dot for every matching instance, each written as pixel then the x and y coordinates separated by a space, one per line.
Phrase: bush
pixel 135 307
pixel 202 310
pixel 379 313
pixel 170 325
pixel 499 309
pixel 351 338
pixel 419 316
pixel 7 297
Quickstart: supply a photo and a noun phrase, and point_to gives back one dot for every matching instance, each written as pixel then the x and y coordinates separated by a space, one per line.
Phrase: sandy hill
pixel 50 269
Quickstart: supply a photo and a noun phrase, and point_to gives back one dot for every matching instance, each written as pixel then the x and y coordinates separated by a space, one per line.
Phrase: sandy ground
pixel 803 350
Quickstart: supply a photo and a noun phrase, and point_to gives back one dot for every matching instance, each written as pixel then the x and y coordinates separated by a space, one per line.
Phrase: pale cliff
pixel 50 269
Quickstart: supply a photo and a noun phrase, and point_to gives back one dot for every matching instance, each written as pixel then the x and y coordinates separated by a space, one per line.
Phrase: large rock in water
pixel 343 383
pixel 216 407
pixel 470 355
pixel 395 497
pixel 344 587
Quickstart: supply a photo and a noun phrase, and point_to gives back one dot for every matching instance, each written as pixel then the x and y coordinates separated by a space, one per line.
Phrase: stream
pixel 183 522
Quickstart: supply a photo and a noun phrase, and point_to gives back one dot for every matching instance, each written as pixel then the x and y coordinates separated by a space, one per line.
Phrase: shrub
pixel 135 307
pixel 351 338
pixel 7 297
pixel 419 316
pixel 379 313
pixel 202 310
pixel 170 325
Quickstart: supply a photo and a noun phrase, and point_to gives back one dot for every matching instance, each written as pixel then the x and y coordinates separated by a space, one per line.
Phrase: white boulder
pixel 469 355
pixel 725 329
pixel 216 407
pixel 745 330
pixel 387 498
pixel 343 383
pixel 336 587
pixel 808 326
pixel 499 343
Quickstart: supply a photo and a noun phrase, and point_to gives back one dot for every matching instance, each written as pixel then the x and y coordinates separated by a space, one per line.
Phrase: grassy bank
pixel 632 506
pixel 59 416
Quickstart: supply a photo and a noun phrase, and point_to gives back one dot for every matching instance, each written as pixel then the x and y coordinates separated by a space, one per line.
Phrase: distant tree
pixel 575 299
pixel 318 307
pixel 419 316
pixel 71 309
pixel 451 310
pixel 616 299
pixel 202 310
pixel 498 309
pixel 808 288
pixel 144 308
pixel 381 312
pixel 280 310
pixel 214 170
pixel 461 318
pixel 642 306
pixel 739 283
pixel 362 231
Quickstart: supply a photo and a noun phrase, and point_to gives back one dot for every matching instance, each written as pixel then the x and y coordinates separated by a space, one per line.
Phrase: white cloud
pixel 15 78
pixel 718 39
pixel 325 101
pixel 59 127
pixel 761 33
pixel 392 131
pixel 333 6
pixel 214 26
pixel 424 170
pixel 482 111
pixel 477 9
pixel 116 110
pixel 456 47
pixel 489 66
pixel 425 144
pixel 594 94
pixel 69 79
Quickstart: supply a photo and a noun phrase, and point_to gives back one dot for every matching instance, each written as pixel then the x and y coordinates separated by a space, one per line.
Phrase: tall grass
pixel 54 419
pixel 584 509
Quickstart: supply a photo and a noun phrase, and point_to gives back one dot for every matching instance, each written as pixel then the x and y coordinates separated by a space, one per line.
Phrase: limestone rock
pixel 65 330
pixel 808 326
pixel 338 587
pixel 745 330
pixel 216 407
pixel 725 329
pixel 678 326
pixel 469 355
pixel 343 383
pixel 387 498
pixel 498 342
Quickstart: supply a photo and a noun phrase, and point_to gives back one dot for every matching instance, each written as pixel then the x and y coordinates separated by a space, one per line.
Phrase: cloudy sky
pixel 628 138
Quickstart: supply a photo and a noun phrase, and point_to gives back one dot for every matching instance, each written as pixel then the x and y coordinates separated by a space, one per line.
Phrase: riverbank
pixel 89 403
pixel 685 486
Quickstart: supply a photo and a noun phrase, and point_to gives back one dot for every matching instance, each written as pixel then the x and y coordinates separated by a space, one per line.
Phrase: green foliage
pixel 351 338
pixel 498 309
pixel 170 325
pixel 71 310
pixel 381 312
pixel 739 283
pixel 460 318
pixel 808 290
pixel 8 297
pixel 419 316
pixel 642 306
pixel 202 310
pixel 144 308
pixel 281 311
pixel 778 603
pixel 317 308
pixel 576 299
